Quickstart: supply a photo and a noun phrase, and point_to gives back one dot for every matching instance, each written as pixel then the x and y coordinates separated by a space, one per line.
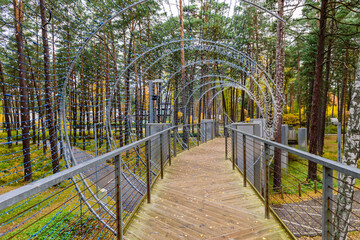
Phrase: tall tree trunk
pixel 6 107
pixel 299 88
pixel 316 94
pixel 48 91
pixel 326 88
pixel 25 119
pixel 279 78
pixel 350 157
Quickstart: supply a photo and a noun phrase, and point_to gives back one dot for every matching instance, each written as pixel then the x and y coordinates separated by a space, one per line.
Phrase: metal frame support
pixel 198 134
pixel 267 197
pixel 205 130
pixel 327 203
pixel 188 138
pixel 148 184
pixel 212 130
pixel 161 157
pixel 119 225
pixel 226 150
pixel 95 139
pixel 244 158
pixel 169 146
pixel 151 102
pixel 233 149
pixel 175 140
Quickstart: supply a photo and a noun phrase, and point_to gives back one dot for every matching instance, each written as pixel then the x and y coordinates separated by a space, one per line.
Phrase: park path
pixel 201 197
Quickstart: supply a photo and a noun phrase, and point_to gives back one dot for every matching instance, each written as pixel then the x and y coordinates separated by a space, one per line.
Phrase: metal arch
pixel 264 9
pixel 219 93
pixel 66 80
pixel 231 64
pixel 62 101
pixel 62 118
pixel 188 40
pixel 108 109
pixel 235 66
pixel 228 84
pixel 214 75
pixel 216 45
pixel 231 80
pixel 258 104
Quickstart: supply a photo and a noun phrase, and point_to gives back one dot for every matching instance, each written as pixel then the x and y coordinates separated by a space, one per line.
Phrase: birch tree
pixel 350 157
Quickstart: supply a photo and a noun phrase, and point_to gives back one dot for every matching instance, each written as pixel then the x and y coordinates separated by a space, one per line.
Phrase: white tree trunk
pixel 350 157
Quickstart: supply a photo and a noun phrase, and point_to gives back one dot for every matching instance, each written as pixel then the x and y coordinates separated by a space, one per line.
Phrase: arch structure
pixel 109 76
pixel 93 68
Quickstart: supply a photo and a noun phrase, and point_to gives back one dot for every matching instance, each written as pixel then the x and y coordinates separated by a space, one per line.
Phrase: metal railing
pixel 307 208
pixel 99 196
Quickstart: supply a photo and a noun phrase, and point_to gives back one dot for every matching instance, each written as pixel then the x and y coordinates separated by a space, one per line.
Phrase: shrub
pixel 291 119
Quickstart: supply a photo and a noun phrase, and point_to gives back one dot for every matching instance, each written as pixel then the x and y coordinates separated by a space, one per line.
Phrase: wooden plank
pixel 201 197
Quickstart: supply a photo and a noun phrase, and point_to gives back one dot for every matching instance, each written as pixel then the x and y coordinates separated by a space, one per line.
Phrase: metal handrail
pixel 20 194
pixel 345 169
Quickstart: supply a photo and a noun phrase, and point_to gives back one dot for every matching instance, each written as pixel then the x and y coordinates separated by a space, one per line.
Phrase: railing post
pixel 175 140
pixel 95 139
pixel 148 185
pixel 267 160
pixel 198 134
pixel 233 148
pixel 188 138
pixel 212 130
pixel 205 132
pixel 244 158
pixel 119 227
pixel 226 140
pixel 169 146
pixel 161 157
pixel 327 203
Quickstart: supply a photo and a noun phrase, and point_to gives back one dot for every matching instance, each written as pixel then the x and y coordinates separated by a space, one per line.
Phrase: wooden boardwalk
pixel 201 197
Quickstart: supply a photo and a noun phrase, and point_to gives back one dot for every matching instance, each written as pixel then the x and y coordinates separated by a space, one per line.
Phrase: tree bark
pixel 25 119
pixel 350 157
pixel 279 81
pixel 316 94
pixel 48 90
pixel 6 108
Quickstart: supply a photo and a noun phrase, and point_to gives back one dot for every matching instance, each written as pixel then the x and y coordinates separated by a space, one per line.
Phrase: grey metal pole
pixel 95 139
pixel 151 102
pixel 339 145
pixel 327 195
pixel 169 146
pixel 148 169
pixel 175 140
pixel 96 153
pixel 267 203
pixel 339 140
pixel 119 227
pixel 226 150
pixel 161 157
pixel 244 158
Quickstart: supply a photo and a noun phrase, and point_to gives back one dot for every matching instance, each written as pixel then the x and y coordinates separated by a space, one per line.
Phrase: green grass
pixel 297 174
